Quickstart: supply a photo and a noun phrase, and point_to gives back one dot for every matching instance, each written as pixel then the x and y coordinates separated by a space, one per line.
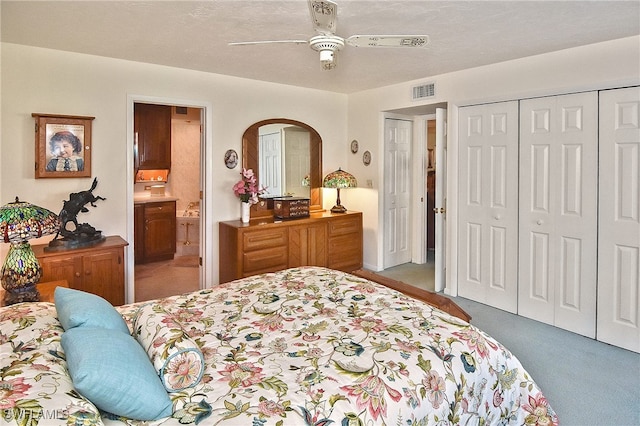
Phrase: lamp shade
pixel 339 179
pixel 22 221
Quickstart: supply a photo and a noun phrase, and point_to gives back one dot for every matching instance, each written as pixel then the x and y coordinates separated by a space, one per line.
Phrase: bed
pixel 303 346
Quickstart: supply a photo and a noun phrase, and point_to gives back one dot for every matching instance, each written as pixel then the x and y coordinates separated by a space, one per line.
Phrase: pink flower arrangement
pixel 247 188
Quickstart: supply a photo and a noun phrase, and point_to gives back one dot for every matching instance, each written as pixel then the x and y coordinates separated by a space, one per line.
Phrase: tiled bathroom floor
pixel 168 278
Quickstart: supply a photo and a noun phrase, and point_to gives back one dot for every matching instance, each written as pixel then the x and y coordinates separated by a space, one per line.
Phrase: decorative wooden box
pixel 290 207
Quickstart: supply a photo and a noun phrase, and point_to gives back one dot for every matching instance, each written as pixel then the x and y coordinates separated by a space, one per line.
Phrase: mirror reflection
pixel 286 156
pixel 284 160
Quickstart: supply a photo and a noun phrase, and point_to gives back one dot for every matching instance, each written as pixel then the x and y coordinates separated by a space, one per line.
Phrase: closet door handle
pixel 539 222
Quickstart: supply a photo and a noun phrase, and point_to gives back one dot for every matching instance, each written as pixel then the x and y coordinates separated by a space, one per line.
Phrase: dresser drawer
pixel 345 245
pixel 344 226
pixel 345 253
pixel 267 260
pixel 265 238
pixel 267 245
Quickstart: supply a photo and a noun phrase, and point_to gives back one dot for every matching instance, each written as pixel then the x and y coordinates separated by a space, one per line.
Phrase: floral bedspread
pixel 304 346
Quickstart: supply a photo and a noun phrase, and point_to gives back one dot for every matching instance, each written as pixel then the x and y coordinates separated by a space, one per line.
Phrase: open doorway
pixel 166 200
pixel 427 200
pixel 185 190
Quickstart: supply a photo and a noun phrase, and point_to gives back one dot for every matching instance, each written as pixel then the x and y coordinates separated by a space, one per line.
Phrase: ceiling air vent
pixel 423 91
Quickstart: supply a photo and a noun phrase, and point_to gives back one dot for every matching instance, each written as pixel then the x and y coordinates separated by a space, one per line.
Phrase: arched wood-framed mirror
pixel 251 156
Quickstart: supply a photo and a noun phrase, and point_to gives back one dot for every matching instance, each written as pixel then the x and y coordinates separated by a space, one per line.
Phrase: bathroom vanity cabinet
pixel 152 131
pixel 155 231
pixel 268 245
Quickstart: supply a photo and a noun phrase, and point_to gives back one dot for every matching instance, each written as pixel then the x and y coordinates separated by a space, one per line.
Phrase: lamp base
pixel 20 273
pixel 339 208
pixel 23 294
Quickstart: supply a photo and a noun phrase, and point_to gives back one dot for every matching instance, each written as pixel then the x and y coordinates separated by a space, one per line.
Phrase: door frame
pixel 208 251
pixel 420 115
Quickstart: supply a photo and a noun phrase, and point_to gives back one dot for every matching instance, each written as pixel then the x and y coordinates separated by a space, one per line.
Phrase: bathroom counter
pixel 155 199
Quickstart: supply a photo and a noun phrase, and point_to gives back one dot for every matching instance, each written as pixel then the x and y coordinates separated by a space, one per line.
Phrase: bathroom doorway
pixel 184 271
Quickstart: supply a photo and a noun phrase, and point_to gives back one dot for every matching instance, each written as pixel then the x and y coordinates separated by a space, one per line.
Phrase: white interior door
pixel 270 168
pixel 488 204
pixel 558 211
pixel 440 200
pixel 619 219
pixel 397 196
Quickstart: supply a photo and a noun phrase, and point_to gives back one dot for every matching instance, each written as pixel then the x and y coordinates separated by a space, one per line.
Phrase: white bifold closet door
pixel 558 211
pixel 619 219
pixel 488 204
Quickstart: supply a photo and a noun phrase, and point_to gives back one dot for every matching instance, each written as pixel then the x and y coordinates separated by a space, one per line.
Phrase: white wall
pixel 603 65
pixel 50 81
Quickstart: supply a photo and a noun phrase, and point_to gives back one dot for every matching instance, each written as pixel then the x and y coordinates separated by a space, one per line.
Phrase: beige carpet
pixel 421 276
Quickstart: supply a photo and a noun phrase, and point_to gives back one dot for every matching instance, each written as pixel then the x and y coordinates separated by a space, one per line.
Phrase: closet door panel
pixel 558 211
pixel 488 200
pixel 619 219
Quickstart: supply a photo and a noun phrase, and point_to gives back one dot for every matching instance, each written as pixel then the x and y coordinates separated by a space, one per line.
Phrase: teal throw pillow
pixel 111 370
pixel 81 309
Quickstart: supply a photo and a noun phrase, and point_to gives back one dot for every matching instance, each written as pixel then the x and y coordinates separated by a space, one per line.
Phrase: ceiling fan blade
pixel 388 40
pixel 248 43
pixel 324 14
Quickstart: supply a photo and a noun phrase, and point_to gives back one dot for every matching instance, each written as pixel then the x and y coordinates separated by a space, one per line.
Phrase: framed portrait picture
pixel 231 158
pixel 63 146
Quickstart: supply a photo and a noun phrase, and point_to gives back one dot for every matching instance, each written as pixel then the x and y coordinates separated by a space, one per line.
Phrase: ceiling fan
pixel 324 14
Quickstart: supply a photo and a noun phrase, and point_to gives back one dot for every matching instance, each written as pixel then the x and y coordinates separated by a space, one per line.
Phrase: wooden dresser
pixel 98 269
pixel 268 245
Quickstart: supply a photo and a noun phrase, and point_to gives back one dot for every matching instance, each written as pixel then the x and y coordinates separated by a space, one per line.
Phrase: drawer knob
pixel 77 274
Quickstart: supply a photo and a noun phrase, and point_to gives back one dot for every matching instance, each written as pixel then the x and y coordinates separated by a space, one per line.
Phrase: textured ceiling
pixel 194 35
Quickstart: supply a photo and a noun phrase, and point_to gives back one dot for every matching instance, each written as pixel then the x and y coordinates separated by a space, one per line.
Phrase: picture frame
pixel 366 158
pixel 354 146
pixel 63 146
pixel 231 158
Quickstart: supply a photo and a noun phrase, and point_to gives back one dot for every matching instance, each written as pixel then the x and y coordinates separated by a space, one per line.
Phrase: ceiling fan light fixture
pixel 327 46
pixel 326 55
pixel 327 59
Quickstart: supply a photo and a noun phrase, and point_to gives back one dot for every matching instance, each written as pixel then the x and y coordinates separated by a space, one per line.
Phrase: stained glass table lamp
pixel 339 179
pixel 19 222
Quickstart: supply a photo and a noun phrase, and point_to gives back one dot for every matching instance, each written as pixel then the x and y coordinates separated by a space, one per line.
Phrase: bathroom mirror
pixel 286 156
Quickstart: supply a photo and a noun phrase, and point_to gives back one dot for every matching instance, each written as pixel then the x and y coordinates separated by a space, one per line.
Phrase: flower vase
pixel 245 212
